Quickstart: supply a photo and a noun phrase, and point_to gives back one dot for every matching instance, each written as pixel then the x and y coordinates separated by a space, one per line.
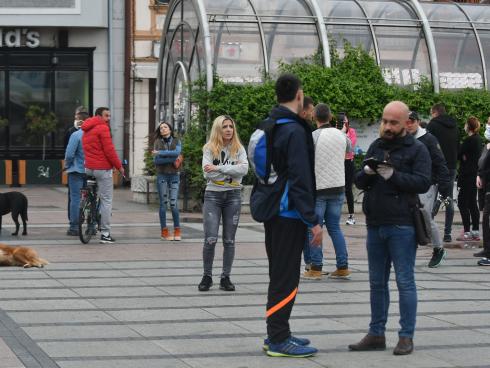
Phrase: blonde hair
pixel 215 143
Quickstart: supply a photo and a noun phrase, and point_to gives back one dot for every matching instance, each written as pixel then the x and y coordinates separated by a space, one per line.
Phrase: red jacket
pixel 97 145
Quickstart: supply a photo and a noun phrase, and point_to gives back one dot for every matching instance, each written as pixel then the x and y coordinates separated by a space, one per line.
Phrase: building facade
pixel 146 25
pixel 57 55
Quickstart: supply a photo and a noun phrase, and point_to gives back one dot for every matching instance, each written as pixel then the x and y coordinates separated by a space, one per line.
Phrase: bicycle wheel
pixel 85 221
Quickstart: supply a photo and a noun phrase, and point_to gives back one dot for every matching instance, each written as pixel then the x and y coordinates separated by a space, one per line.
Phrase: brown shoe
pixel 340 273
pixel 404 346
pixel 312 275
pixel 369 343
pixel 165 235
pixel 177 234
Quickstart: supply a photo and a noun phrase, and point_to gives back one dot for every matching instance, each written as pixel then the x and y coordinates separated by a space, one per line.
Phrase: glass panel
pixel 355 35
pixel 479 14
pixel 71 91
pixel 388 11
pixel 281 7
pixel 342 11
pixel 180 103
pixel 288 43
pixel 238 7
pixel 3 119
pixel 188 45
pixel 458 58
pixel 237 51
pixel 485 43
pixel 174 22
pixel 403 54
pixel 27 88
pixel 176 45
pixel 190 15
pixel 439 14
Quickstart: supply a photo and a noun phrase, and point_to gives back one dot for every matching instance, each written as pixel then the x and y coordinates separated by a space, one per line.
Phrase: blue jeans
pixel 328 208
pixel 168 189
pixel 75 184
pixel 387 244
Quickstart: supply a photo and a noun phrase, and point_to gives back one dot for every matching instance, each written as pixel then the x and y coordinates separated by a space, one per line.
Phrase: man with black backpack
pixel 286 205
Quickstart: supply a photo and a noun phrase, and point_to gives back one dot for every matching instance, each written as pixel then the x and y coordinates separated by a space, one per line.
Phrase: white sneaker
pixel 350 220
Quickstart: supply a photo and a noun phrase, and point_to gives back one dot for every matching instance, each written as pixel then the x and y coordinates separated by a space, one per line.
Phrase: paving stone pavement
pixel 135 304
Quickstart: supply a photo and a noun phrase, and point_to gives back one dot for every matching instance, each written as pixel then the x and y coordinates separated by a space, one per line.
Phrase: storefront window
pixel 71 90
pixel 27 88
pixel 3 118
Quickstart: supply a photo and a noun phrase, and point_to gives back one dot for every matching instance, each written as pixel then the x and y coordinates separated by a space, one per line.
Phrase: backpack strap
pixel 269 131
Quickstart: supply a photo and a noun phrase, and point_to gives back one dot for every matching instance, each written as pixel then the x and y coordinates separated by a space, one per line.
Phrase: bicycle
pixel 89 214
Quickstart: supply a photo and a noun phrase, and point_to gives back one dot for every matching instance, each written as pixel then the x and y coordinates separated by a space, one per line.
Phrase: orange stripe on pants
pixel 282 303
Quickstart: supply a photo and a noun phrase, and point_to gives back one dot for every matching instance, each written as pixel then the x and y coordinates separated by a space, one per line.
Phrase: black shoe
pixel 481 254
pixel 226 285
pixel 484 262
pixel 447 238
pixel 72 233
pixel 107 239
pixel 438 255
pixel 206 283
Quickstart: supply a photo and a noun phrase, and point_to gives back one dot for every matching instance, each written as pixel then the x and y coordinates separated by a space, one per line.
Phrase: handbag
pixel 421 221
pixel 178 161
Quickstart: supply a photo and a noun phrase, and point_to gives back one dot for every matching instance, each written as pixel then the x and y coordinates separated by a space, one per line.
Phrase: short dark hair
pixel 322 113
pixel 287 86
pixel 307 102
pixel 82 115
pixel 100 110
pixel 439 108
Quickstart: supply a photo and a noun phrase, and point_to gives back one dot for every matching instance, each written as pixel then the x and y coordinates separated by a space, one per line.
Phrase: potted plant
pixel 40 123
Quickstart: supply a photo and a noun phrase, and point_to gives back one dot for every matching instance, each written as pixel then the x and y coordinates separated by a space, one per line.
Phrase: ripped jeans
pixel 217 205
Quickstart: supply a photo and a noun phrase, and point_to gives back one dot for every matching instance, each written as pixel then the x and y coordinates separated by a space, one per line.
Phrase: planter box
pixel 144 189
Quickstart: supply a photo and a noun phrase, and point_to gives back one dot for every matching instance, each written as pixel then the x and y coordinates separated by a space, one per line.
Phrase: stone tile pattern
pixel 135 304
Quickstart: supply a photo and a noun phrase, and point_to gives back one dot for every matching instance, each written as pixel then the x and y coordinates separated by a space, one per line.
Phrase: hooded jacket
pixel 293 159
pixel 440 172
pixel 445 129
pixel 387 202
pixel 97 145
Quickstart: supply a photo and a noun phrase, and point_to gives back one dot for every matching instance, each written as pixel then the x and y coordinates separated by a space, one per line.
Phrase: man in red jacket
pixel 100 159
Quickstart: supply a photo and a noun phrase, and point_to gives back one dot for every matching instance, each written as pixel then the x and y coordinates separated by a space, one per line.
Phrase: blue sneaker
pixel 301 341
pixel 289 349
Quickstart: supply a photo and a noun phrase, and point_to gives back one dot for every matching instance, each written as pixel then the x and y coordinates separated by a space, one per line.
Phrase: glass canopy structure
pixel 240 40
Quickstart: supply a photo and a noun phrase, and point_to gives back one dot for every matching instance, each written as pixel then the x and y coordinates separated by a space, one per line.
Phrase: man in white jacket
pixel 331 144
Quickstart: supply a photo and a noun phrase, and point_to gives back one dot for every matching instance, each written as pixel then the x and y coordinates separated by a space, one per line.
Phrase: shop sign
pixel 19 37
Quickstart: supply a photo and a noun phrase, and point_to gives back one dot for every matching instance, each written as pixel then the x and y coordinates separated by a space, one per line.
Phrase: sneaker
pixel 205 283
pixel 312 275
pixel 226 284
pixel 165 235
pixel 72 233
pixel 447 238
pixel 438 255
pixel 475 235
pixel 465 236
pixel 107 239
pixel 350 220
pixel 340 273
pixel 177 234
pixel 484 262
pixel 301 341
pixel 288 348
pixel 482 254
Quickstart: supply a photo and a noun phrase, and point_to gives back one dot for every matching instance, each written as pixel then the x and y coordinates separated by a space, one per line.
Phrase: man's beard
pixel 389 135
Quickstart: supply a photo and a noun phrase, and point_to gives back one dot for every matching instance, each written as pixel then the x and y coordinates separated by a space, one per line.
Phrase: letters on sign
pixel 19 37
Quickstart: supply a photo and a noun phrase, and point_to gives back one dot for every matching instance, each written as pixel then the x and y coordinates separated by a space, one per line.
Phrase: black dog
pixel 16 203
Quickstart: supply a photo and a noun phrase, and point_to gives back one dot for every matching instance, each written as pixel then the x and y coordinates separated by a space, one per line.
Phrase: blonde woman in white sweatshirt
pixel 224 164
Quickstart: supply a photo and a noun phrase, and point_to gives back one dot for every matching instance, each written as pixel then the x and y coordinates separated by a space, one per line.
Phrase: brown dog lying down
pixel 20 256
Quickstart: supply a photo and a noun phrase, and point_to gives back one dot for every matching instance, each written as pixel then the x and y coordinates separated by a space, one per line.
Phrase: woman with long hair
pixel 166 149
pixel 224 164
pixel 468 156
pixel 350 169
